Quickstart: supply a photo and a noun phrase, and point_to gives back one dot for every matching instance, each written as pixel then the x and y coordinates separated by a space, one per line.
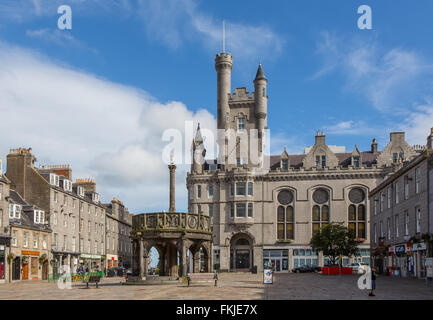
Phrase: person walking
pixel 373 282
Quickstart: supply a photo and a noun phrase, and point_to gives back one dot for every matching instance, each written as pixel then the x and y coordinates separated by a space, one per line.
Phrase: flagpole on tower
pixel 224 36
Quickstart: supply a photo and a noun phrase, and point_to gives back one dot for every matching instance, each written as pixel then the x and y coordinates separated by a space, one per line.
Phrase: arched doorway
pixel 241 253
pixel 154 263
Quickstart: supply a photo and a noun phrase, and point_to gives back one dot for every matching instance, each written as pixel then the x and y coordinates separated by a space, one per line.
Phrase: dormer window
pixel 397 156
pixel 320 161
pixel 356 161
pixel 67 185
pixel 284 164
pixel 241 124
pixel 39 216
pixel 54 179
pixel 95 197
pixel 80 191
pixel 14 211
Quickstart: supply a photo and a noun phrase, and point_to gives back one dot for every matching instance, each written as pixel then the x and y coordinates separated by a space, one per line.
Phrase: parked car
pixel 304 268
pixel 116 272
pixel 358 267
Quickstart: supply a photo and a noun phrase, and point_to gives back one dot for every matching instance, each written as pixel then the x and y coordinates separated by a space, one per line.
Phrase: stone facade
pixel 269 218
pixel 401 220
pixel 4 226
pixel 118 228
pixel 73 210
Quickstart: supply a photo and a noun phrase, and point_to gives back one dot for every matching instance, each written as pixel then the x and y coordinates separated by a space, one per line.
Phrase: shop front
pixel 4 251
pixel 30 265
pixel 91 262
pixel 112 261
pixel 419 252
pixel 276 259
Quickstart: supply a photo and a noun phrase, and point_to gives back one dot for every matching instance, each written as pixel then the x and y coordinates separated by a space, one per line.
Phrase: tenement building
pixel 4 223
pixel 118 222
pixel 267 218
pixel 72 210
pixel 30 240
pixel 402 216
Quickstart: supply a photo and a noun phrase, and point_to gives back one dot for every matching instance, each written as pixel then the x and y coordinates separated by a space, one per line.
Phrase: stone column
pixel 183 259
pixel 172 169
pixel 141 258
pixel 196 261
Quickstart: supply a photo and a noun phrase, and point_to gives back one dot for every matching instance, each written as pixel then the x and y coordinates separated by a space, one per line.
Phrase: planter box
pixel 346 270
pixel 331 270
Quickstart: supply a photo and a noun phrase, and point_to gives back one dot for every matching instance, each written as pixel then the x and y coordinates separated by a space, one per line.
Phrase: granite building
pixel 268 219
pixel 402 216
pixel 4 226
pixel 73 210
pixel 118 227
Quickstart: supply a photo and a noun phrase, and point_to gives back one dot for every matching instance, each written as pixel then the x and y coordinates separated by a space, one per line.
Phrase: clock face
pixel 356 195
pixel 285 197
pixel 320 196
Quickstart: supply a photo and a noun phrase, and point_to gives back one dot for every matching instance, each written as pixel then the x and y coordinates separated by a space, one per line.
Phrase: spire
pixel 260 74
pixel 198 137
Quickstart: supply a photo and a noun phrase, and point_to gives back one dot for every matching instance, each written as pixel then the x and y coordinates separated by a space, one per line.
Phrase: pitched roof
pixel 260 74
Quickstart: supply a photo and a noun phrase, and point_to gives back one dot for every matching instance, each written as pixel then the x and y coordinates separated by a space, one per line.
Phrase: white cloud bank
pixel 102 129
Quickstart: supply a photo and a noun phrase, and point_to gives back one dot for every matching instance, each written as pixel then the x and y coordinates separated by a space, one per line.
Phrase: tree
pixel 335 240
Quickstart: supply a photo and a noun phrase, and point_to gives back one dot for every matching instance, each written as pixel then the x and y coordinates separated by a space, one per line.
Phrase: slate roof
pixel 27 214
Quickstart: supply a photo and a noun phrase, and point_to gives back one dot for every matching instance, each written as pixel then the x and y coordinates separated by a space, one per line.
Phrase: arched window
pixel 285 215
pixel 320 212
pixel 356 213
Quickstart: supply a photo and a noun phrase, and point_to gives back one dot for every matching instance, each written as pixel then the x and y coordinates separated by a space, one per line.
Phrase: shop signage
pixel 30 253
pixel 419 246
pixel 90 256
pixel 267 276
pixel 2 247
pixel 400 249
pixel 391 249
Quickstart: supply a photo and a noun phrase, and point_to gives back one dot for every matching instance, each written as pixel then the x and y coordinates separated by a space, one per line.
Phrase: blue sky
pixel 126 65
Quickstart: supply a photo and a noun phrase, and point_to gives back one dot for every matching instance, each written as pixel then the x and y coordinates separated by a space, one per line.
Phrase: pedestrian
pixel 373 282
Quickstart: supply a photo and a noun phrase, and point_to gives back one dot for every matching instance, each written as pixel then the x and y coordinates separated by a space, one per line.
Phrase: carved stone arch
pixel 238 233
pixel 278 189
pixel 311 190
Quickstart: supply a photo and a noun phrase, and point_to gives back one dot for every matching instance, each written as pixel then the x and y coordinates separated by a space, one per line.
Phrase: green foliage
pixel 335 240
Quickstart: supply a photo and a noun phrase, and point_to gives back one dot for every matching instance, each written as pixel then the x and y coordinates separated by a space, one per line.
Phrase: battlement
pixel 223 55
pixel 418 148
pixel 241 94
pixel 20 151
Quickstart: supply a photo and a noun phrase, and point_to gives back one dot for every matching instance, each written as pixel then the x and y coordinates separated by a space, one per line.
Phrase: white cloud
pixel 102 129
pixel 391 79
pixel 350 127
pixel 175 22
pixel 62 38
pixel 419 123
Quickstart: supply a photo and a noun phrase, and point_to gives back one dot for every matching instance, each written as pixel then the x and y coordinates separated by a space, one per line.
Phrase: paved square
pixel 304 286
pixel 312 286
pixel 230 287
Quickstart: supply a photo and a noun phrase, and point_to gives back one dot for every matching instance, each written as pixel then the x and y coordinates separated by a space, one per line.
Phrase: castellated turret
pixel 223 66
pixel 260 100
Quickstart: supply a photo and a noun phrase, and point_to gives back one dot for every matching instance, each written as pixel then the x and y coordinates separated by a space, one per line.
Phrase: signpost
pixel 267 276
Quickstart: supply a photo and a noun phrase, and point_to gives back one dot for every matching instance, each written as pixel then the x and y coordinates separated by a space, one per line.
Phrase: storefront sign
pixel 400 249
pixel 2 248
pixel 90 256
pixel 391 249
pixel 419 246
pixel 30 253
pixel 267 276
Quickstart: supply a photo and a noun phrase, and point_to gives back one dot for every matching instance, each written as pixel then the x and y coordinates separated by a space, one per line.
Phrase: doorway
pixel 25 272
pixel 241 256
pixel 16 268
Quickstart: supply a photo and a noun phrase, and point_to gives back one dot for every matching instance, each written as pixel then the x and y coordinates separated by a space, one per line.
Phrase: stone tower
pixel 223 66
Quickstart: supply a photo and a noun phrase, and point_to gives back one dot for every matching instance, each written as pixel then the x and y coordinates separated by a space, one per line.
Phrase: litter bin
pixel 254 270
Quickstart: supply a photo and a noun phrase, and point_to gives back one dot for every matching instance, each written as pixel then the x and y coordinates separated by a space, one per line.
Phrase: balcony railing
pixel 171 221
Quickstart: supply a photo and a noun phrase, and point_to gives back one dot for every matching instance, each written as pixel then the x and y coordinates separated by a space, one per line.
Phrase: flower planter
pixel 346 270
pixel 331 270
